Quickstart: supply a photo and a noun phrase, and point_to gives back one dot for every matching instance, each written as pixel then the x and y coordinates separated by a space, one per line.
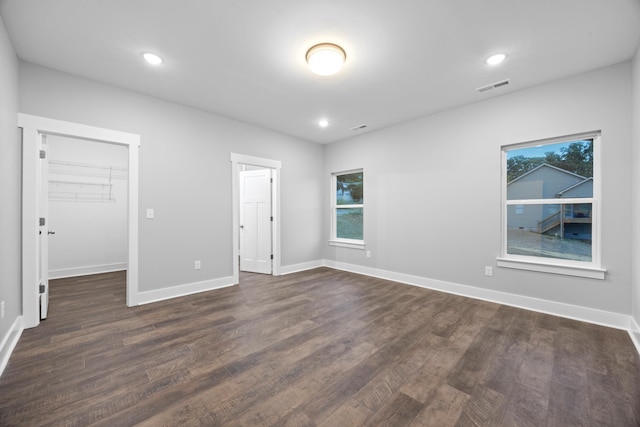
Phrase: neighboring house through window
pixel 347 224
pixel 550 202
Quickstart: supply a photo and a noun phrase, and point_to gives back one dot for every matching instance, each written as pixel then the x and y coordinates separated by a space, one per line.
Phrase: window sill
pixel 567 270
pixel 341 244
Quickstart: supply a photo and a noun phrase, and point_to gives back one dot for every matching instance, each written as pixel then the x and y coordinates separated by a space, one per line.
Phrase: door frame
pixel 32 128
pixel 43 229
pixel 275 166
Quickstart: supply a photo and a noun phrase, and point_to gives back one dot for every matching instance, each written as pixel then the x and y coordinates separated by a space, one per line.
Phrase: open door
pixel 43 232
pixel 35 193
pixel 255 221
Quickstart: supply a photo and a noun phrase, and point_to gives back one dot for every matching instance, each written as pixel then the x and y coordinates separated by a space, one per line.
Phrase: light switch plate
pixel 150 214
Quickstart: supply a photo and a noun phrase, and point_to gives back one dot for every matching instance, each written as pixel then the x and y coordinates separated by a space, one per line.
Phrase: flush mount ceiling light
pixel 326 59
pixel 323 123
pixel 152 58
pixel 496 59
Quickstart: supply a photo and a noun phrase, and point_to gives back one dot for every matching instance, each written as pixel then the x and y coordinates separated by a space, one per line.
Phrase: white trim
pixel 555 140
pixel 30 259
pixel 634 333
pixel 544 267
pixel 303 266
pixel 255 161
pixel 87 270
pixel 276 165
pixel 9 342
pixel 183 290
pixel 33 127
pixel 597 204
pixel 344 244
pixel 559 201
pixel 584 314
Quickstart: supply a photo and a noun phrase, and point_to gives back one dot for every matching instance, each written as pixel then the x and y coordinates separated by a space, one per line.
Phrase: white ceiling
pixel 244 59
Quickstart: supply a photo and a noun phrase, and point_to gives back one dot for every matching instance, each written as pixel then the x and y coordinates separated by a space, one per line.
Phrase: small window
pixel 550 201
pixel 348 209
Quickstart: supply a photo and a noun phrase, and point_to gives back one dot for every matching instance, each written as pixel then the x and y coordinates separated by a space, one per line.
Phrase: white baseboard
pixel 183 290
pixel 9 342
pixel 86 271
pixel 584 314
pixel 634 333
pixel 294 268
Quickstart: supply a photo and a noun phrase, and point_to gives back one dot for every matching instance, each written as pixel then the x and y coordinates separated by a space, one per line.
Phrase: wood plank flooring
pixel 320 348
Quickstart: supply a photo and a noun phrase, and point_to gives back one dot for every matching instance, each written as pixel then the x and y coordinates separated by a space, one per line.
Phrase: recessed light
pixel 152 58
pixel 326 59
pixel 323 123
pixel 496 59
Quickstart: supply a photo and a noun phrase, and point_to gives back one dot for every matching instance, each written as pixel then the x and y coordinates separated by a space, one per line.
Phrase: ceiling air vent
pixel 494 85
pixel 358 127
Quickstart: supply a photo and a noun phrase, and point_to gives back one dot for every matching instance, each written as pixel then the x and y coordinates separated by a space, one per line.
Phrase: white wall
pixel 87 206
pixel 10 193
pixel 432 188
pixel 429 228
pixel 635 166
pixel 185 174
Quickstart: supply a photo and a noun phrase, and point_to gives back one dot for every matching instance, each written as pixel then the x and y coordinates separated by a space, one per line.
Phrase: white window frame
pixel 589 269
pixel 334 240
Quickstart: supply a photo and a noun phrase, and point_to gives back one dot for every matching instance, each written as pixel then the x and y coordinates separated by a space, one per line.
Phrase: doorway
pixel 256 215
pixel 86 191
pixel 256 237
pixel 35 227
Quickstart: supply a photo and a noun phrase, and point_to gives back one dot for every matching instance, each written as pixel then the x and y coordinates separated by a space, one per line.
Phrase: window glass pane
pixel 551 231
pixel 349 223
pixel 349 189
pixel 549 171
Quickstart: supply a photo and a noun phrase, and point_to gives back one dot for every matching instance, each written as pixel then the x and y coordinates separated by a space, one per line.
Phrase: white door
pixel 43 214
pixel 255 221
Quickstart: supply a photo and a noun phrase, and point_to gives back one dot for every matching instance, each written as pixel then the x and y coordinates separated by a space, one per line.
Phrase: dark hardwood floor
pixel 317 348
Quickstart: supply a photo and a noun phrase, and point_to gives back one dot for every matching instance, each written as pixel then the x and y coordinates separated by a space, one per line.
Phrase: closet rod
pixel 94 184
pixel 86 165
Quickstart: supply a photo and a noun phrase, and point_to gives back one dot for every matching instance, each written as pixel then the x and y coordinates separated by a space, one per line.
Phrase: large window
pixel 550 206
pixel 348 209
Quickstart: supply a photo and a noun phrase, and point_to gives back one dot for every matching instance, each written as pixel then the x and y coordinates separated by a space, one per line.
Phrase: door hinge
pixel 271 256
pixel 42 289
pixel 43 154
pixel 271 219
pixel 41 222
pixel 271 180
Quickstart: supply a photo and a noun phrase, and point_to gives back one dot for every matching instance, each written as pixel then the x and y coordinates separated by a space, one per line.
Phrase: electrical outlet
pixel 368 254
pixel 151 214
pixel 2 310
pixel 196 265
pixel 488 271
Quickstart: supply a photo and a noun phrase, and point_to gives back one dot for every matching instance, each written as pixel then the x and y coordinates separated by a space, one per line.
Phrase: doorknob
pixel 51 232
pixel 241 226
